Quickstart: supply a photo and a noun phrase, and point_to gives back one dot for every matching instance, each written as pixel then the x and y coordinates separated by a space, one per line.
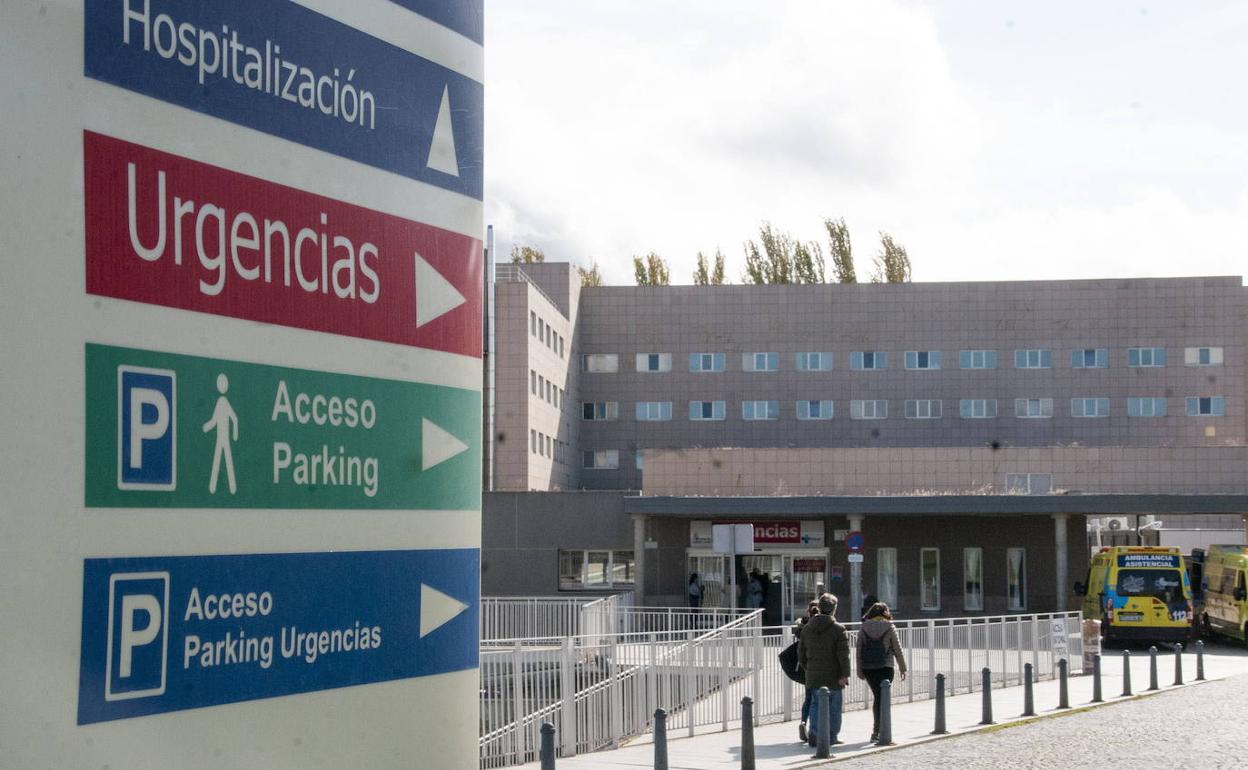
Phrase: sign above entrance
pixel 732 538
pixel 800 534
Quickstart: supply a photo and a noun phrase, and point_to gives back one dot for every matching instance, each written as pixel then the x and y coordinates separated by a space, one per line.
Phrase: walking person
pixel 877 650
pixel 812 610
pixel 823 653
pixel 695 591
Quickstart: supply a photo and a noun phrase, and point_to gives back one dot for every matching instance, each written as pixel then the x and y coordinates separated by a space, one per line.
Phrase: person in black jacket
pixel 812 610
pixel 823 652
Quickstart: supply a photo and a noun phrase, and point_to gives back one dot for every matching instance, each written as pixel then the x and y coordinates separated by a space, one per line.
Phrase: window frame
pixel 614 559
pixel 1154 354
pixel 1043 357
pixel 802 409
pixel 986 402
pixel 588 367
pixel 1079 358
pixel 929 358
pixel 663 363
pixel 1193 356
pixel 650 408
pixel 606 454
pixel 858 407
pixel 1217 406
pixel 858 360
pixel 716 406
pixel 749 410
pixel 924 604
pixel 1135 404
pixel 770 361
pixel 971 602
pixel 966 359
pixel 883 558
pixel 1083 402
pixel 915 412
pixel 1016 600
pixel 1025 403
pixel 610 411
pixel 801 362
pixel 717 361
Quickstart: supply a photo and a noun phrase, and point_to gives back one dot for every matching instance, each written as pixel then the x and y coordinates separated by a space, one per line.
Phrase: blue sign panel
pixel 170 633
pixel 283 69
pixel 146 409
pixel 463 16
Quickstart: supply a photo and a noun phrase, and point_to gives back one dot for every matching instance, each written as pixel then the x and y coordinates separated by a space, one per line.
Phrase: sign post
pixel 241 286
pixel 854 544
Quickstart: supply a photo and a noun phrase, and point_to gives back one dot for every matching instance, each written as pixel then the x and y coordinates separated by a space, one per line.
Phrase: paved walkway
pixel 776 745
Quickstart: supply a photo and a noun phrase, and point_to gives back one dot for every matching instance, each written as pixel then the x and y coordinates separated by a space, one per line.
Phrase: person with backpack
pixel 823 653
pixel 877 650
pixel 812 610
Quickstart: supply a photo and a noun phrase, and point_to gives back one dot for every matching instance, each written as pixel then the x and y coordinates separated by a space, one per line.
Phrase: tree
pixel 892 264
pixel 652 271
pixel 590 277
pixel 842 251
pixel 526 255
pixel 707 276
pixel 779 258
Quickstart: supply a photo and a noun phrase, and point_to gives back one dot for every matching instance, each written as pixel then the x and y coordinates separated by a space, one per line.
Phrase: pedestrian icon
pixel 225 422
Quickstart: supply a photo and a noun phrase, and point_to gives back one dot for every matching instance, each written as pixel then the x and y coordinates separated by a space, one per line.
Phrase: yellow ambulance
pixel 1226 593
pixel 1139 593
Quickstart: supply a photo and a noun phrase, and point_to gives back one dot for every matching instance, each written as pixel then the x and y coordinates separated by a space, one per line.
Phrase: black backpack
pixel 874 653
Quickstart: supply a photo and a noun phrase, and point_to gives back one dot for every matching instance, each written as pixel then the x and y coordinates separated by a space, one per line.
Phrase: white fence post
pixel 786 691
pixel 567 688
pixel 690 697
pixel 517 700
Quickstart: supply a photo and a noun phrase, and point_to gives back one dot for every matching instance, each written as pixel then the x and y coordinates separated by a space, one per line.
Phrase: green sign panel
pixel 175 431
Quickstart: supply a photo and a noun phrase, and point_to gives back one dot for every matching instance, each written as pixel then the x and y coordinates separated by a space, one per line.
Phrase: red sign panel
pixel 809 565
pixel 167 230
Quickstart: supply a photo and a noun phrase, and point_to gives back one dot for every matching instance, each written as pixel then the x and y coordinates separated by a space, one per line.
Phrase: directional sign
pixel 176 431
pixel 283 69
pixel 167 230
pixel 170 633
pixel 855 558
pixel 855 542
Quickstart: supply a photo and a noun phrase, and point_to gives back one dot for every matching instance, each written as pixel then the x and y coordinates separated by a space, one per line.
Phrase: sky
pixel 1002 140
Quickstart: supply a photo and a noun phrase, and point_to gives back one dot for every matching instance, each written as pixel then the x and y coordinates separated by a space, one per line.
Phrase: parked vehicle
pixel 1225 591
pixel 1139 593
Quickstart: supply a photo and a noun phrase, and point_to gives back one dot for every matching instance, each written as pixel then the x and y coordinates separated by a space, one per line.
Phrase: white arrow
pixel 442 149
pixel 436 445
pixel 436 609
pixel 435 296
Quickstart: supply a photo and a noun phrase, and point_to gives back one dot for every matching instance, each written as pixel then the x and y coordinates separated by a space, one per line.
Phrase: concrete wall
pixel 522 532
pixel 944 470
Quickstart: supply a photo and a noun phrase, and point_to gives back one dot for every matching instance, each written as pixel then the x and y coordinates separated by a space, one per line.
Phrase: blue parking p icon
pixel 146 428
pixel 138 635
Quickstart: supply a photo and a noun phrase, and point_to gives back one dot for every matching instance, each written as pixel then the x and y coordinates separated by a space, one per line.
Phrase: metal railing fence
pixel 600 690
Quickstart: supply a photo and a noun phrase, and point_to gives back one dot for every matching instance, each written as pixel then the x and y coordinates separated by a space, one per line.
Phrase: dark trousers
pixel 874 677
pixel 806 704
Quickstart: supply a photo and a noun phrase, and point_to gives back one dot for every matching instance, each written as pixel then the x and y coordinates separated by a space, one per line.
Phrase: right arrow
pixel 435 296
pixel 437 445
pixel 437 609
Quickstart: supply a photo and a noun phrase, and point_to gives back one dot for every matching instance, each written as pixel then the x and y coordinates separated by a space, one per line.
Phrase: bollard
pixel 1029 702
pixel 823 744
pixel 1126 673
pixel 1152 668
pixel 940 706
pixel 886 714
pixel 547 754
pixel 1200 661
pixel 1096 679
pixel 987 679
pixel 747 733
pixel 660 739
pixel 1178 664
pixel 1063 692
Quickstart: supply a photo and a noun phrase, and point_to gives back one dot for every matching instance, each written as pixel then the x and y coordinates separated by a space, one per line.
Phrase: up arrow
pixel 435 296
pixel 436 445
pixel 442 149
pixel 436 609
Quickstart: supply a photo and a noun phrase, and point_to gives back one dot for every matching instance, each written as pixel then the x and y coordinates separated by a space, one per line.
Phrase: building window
pixel 1146 407
pixel 654 411
pixel 561 346
pixel 1016 578
pixel 1089 407
pixel 600 362
pixel 977 408
pixel 637 459
pixel 550 448
pixel 532 323
pixel 868 360
pixel 923 409
pixel 868 410
pixel 595 570
pixel 814 410
pixel 1028 483
pixel 532 440
pixel 760 362
pixel 706 362
pixel 929 578
pixel 600 410
pixel 1202 356
pixel 922 359
pixel 814 362
pixel 654 362
pixel 973 579
pixel 1033 359
pixel 1089 358
pixel 760 410
pixel 886 576
pixel 1033 407
pixel 533 382
pixel 1146 357
pixel 1211 406
pixel 602 459
pixel 707 410
pixel 977 359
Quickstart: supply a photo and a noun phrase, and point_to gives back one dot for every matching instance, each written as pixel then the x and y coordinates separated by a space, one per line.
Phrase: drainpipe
pixel 487 358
